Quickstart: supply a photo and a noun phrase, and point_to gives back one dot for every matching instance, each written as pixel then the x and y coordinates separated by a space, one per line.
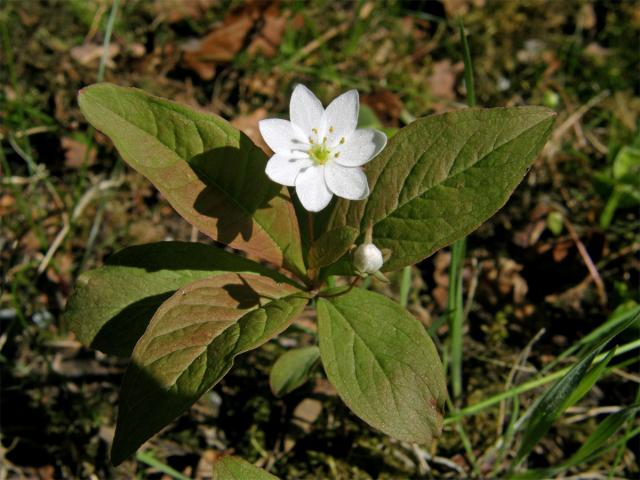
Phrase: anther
pixel 337 155
pixel 330 129
pixel 314 130
pixel 341 140
pixel 324 139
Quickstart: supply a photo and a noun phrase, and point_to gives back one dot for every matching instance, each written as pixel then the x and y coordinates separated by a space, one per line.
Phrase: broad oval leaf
pixel 383 364
pixel 292 369
pixel 331 245
pixel 441 177
pixel 111 306
pixel 190 344
pixel 235 468
pixel 211 173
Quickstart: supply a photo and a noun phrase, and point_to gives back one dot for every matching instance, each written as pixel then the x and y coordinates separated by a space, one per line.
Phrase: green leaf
pixel 589 380
pixel 292 370
pixel 441 177
pixel 190 344
pixel 211 173
pixel 235 468
pixel 383 364
pixel 111 306
pixel 555 400
pixel 331 245
pixel 600 439
pixel 626 165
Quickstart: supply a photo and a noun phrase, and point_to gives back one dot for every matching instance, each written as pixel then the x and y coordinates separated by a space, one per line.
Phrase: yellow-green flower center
pixel 319 153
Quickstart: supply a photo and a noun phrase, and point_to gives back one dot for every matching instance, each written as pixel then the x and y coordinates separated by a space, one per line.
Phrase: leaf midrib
pixel 475 164
pixel 216 184
pixel 356 334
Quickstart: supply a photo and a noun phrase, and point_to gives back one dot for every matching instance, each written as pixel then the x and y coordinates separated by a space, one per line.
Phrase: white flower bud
pixel 368 258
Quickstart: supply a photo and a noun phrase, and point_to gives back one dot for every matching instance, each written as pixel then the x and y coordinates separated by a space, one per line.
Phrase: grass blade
pixel 455 302
pixel 600 439
pixel 555 400
pixel 148 459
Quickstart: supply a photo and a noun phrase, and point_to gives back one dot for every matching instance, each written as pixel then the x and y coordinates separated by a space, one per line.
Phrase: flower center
pixel 319 153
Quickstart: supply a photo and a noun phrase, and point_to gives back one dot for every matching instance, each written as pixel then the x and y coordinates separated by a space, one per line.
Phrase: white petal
pixel 312 189
pixel 346 182
pixel 341 116
pixel 282 135
pixel 305 110
pixel 368 258
pixel 283 168
pixel 360 147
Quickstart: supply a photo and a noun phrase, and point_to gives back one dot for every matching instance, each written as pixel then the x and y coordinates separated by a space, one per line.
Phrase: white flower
pixel 320 151
pixel 368 258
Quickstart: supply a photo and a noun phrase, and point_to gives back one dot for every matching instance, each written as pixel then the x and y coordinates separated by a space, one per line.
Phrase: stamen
pixel 324 139
pixel 341 140
pixel 314 130
pixel 330 129
pixel 311 140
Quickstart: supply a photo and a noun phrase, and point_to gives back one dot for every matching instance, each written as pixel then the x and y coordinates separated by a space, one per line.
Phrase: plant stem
pixel 455 300
pixel 405 286
pixel 456 312
pixel 468 67
pixel 310 228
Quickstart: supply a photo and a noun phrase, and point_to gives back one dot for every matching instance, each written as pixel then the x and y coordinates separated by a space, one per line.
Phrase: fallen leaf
pixel 257 25
pixel 219 46
pixel 510 280
pixel 307 412
pixel 75 152
pixel 456 8
pixel 442 81
pixel 586 18
pixel 268 39
pixel 386 105
pixel 89 54
pixel 173 11
pixel 6 203
pixel 249 125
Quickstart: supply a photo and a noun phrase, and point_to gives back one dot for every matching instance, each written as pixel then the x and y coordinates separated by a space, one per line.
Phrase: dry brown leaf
pixel 226 40
pixel 442 81
pixel 269 37
pixel 89 54
pixel 173 11
pixel 61 274
pixel 145 231
pixel 324 387
pixel 455 8
pixel 205 464
pixel 597 52
pixel 307 412
pixel 6 203
pixel 386 105
pixel 510 280
pixel 249 125
pixel 440 293
pixel 586 18
pixel 75 152
pixel 219 46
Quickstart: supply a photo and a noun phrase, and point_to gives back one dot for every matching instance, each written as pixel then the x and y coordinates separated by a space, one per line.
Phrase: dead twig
pixel 586 258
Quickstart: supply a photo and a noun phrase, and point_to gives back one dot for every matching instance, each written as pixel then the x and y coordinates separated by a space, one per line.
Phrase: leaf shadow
pixel 236 187
pixel 128 325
